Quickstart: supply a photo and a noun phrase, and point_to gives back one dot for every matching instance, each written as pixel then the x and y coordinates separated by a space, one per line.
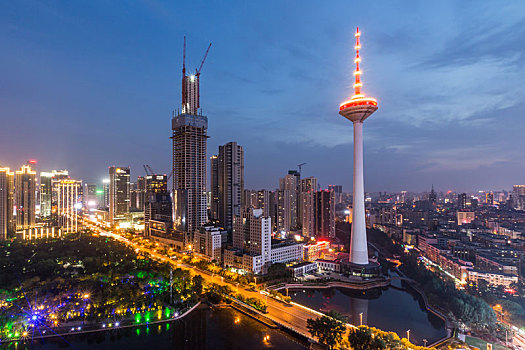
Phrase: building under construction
pixel 189 155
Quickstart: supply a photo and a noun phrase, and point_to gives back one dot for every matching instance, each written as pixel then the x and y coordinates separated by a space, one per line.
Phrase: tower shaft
pixel 358 242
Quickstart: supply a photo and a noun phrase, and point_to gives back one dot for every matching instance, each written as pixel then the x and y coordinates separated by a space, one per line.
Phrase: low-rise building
pixel 303 268
pixel 492 278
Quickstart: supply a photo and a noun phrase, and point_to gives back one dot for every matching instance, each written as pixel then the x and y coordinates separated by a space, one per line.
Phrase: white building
pixel 493 279
pixel 207 242
pixel 252 249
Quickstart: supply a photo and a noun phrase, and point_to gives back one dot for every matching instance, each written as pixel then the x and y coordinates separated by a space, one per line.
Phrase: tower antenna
pixel 357 73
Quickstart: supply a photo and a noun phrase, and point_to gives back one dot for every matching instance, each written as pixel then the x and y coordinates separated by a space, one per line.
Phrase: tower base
pixel 370 270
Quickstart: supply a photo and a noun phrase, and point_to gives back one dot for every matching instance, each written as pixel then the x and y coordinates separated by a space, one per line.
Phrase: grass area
pixel 482 345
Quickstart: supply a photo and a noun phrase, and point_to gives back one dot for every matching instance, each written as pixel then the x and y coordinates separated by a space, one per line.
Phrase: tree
pixel 327 329
pixel 197 284
pixel 362 338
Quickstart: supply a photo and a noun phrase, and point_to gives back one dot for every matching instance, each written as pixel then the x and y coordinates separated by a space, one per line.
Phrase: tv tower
pixel 357 109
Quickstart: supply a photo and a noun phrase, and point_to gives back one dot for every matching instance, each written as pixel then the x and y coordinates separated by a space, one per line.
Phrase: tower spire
pixel 357 72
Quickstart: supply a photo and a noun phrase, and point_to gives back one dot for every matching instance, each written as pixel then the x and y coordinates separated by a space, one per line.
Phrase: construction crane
pixel 148 170
pixel 300 166
pixel 203 59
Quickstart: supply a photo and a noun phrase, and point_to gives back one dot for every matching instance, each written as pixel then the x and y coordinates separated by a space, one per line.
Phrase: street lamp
pixel 425 342
pixel 360 318
pixel 408 335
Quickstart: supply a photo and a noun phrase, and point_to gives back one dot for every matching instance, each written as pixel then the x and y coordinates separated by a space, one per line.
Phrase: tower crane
pixel 300 166
pixel 148 170
pixel 203 59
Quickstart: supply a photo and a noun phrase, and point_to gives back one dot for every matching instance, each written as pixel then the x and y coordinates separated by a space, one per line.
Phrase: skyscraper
pixel 119 201
pixel 231 183
pixel 214 185
pixel 462 201
pixel 308 189
pixel 325 214
pixel 105 193
pixel 189 136
pixel 25 190
pixel 69 201
pixel 157 201
pixel 46 194
pixel 7 220
pixel 290 183
pixel 141 192
pixel 357 109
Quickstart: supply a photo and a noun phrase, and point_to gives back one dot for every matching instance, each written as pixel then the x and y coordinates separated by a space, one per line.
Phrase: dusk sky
pixel 89 84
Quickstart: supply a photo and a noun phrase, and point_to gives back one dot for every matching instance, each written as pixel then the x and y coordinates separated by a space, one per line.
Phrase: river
pixel 389 309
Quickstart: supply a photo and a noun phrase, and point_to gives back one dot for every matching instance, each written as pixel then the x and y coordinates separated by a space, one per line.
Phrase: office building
pixel 90 196
pixel 69 202
pixel 119 192
pixel 141 192
pixel 157 201
pixel 46 195
pixel 231 183
pixel 7 193
pixel 207 242
pixel 25 199
pixel 105 193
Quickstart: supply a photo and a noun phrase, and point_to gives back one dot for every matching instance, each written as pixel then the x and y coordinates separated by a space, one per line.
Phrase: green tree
pixel 362 338
pixel 327 329
pixel 197 284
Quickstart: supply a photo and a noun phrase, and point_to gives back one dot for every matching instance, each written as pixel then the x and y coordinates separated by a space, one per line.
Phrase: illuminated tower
pixel 357 109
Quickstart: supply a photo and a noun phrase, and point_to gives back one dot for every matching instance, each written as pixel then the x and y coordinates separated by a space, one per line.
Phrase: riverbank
pixel 94 327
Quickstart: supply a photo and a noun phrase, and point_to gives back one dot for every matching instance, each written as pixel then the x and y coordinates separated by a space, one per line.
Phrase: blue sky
pixel 89 84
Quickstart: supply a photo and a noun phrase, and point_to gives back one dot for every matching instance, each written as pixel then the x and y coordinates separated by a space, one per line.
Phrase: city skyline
pixel 103 88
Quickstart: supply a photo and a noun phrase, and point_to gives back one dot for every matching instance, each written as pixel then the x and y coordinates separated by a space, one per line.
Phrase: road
pixel 293 316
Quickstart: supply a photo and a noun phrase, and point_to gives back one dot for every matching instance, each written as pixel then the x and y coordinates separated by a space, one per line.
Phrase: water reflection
pixel 388 308
pixel 204 328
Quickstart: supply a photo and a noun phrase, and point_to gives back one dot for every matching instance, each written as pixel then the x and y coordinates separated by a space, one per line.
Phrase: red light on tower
pixel 32 161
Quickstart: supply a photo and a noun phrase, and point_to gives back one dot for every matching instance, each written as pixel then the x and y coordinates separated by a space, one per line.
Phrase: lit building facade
pixel 230 183
pixel 25 190
pixel 7 192
pixel 69 202
pixel 119 192
pixel 46 195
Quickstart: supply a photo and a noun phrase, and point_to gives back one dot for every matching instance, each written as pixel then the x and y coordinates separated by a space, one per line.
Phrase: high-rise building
pixel 357 109
pixel 69 202
pixel 25 190
pixel 119 195
pixel 189 136
pixel 290 183
pixel 308 188
pixel 157 201
pixel 141 192
pixel 46 194
pixel 105 193
pixel 325 214
pixel 214 185
pixel 283 210
pixel 90 196
pixel 489 198
pixel 462 201
pixel 231 183
pixel 7 192
pixel 252 233
pixel 263 201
